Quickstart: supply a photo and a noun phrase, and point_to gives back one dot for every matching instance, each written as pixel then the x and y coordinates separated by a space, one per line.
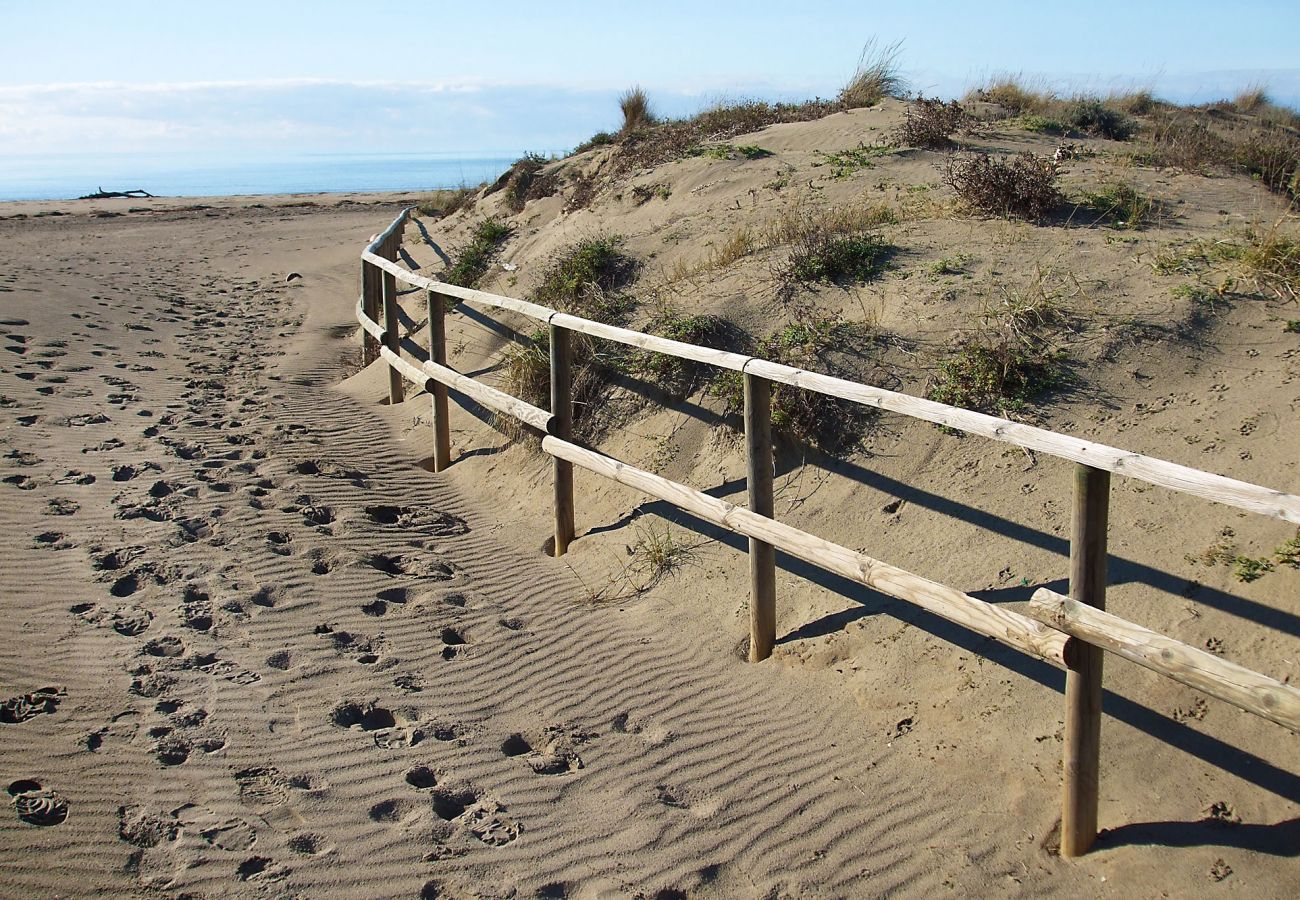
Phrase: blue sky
pixel 252 79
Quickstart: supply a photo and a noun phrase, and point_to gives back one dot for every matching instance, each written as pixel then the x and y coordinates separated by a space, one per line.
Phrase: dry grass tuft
pixel 876 77
pixel 637 113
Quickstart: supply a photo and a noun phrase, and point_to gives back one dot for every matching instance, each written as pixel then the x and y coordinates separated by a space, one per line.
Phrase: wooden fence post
pixel 762 556
pixel 562 428
pixel 392 340
pixel 438 353
pixel 1083 672
pixel 370 306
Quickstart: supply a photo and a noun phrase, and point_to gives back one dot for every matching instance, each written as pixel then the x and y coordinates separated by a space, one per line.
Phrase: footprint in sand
pixel 141 828
pixel 43 701
pixel 390 730
pixel 474 813
pixel 552 752
pixel 37 806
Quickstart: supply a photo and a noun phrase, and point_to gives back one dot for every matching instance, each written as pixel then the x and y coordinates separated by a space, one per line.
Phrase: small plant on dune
pixel 441 204
pixel 1011 94
pixel 1092 116
pixel 844 163
pixel 474 260
pixel 678 377
pixel 1274 158
pixel 1287 553
pixel 876 77
pixel 727 151
pixel 1292 326
pixel 1121 205
pixel 1180 140
pixel 834 258
pixel 1270 260
pixel 818 342
pixel 637 114
pixel 930 124
pixel 599 139
pixel 1135 103
pixel 586 279
pixel 1249 568
pixel 1024 185
pixel 1042 124
pixel 1011 359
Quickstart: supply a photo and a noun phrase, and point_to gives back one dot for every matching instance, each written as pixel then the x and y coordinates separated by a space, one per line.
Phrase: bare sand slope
pixel 264 654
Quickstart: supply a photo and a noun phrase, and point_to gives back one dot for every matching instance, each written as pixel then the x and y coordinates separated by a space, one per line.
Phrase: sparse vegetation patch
pixel 474 260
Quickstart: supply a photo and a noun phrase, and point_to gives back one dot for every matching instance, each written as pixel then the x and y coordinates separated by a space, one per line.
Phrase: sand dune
pixel 254 650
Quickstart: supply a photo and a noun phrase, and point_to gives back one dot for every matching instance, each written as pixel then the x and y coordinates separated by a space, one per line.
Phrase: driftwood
pixel 102 194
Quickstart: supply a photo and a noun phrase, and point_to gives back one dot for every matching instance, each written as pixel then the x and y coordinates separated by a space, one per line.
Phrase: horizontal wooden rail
pixel 1243 688
pixel 1011 628
pixel 1176 477
pixel 493 399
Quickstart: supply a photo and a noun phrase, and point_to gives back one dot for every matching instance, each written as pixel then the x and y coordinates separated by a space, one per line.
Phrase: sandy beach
pixel 254 648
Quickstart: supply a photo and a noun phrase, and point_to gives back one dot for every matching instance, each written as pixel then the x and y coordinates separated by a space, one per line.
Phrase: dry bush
pixel 1180 140
pixel 930 124
pixel 876 77
pixel 637 113
pixel 797 220
pixel 1271 261
pixel 1024 185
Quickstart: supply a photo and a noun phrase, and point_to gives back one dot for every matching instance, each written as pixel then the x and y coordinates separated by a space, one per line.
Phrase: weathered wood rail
pixel 1070 632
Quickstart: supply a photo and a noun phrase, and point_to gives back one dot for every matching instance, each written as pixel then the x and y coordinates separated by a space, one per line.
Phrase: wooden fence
pixel 1069 632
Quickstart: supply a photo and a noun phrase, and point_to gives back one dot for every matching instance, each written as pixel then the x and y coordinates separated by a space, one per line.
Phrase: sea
pixel 68 176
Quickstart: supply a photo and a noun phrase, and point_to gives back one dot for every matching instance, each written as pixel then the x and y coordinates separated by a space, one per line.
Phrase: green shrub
pixel 586 277
pixel 1043 125
pixel 1024 185
pixel 727 151
pixel 844 163
pixel 1091 115
pixel 678 377
pixel 1121 205
pixel 815 342
pixel 1000 377
pixel 599 139
pixel 828 257
pixel 475 259
pixel 930 124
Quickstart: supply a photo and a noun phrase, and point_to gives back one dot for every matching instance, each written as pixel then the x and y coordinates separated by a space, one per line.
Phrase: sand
pixel 266 653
